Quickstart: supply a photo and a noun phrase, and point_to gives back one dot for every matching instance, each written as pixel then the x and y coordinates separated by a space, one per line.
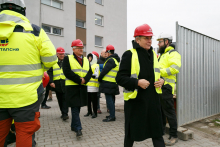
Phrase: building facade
pixel 97 23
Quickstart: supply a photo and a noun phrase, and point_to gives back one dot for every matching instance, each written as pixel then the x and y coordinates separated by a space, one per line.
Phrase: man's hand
pixel 159 83
pixel 52 85
pixel 83 81
pixel 143 83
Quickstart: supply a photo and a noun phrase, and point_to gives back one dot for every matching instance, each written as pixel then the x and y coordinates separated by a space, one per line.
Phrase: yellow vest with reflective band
pixel 170 64
pixel 111 75
pixel 21 58
pixel 77 69
pixel 94 82
pixel 135 70
pixel 58 73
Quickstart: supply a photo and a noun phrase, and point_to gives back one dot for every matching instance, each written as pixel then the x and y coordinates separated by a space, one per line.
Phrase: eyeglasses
pixel 79 48
pixel 160 42
pixel 147 38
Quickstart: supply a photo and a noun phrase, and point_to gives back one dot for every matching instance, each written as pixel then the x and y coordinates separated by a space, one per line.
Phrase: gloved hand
pixel 94 76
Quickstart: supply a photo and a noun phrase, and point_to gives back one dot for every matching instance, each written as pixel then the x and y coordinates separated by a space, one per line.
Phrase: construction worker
pixel 107 81
pixel 78 72
pixel 93 86
pixel 25 50
pixel 170 63
pixel 139 74
pixel 57 82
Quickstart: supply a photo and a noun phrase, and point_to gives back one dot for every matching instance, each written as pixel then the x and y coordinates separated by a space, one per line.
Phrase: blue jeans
pixel 110 104
pixel 76 123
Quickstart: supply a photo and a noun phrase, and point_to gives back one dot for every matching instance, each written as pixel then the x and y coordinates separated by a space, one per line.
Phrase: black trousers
pixel 92 99
pixel 62 103
pixel 45 97
pixel 157 142
pixel 168 112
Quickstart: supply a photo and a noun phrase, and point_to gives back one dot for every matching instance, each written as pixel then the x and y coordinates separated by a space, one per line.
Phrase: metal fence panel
pixel 198 83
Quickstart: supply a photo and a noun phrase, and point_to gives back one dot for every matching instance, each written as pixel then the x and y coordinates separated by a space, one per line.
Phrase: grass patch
pixel 216 124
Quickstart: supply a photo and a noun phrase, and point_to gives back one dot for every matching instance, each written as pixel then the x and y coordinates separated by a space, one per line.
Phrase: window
pixel 52 30
pixel 53 3
pixel 98 20
pixel 99 2
pixel 98 41
pixel 46 28
pixel 80 24
pixel 81 1
pixel 57 31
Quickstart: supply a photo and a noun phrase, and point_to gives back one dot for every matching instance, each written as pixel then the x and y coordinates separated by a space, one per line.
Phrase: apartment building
pixel 96 22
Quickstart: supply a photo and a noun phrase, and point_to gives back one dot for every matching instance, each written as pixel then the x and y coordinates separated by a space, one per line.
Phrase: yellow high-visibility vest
pixel 111 75
pixel 58 73
pixel 77 69
pixel 135 70
pixel 21 58
pixel 94 82
pixel 170 64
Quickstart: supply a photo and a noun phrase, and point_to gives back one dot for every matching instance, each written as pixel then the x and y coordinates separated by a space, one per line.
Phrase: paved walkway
pixel 55 132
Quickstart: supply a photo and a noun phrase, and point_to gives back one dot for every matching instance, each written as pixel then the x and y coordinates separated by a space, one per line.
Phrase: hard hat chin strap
pixel 169 42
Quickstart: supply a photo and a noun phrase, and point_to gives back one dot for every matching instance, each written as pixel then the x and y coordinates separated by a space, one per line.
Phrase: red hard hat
pixel 110 47
pixel 77 42
pixel 95 53
pixel 143 30
pixel 60 50
pixel 45 79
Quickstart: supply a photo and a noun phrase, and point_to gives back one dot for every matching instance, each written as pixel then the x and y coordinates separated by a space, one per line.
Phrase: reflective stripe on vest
pixel 135 70
pixel 170 69
pixel 58 72
pixel 21 68
pixel 77 69
pixel 111 75
pixel 94 82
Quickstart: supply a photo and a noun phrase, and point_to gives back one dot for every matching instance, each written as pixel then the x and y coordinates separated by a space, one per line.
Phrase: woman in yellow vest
pixel 139 74
pixel 93 86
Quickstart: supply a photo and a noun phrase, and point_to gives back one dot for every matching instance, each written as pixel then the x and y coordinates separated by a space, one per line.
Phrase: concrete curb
pixel 183 133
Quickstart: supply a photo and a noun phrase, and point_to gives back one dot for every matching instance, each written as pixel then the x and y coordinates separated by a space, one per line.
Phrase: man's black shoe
pixel 45 107
pixel 65 117
pixel 109 116
pixel 79 134
pixel 72 129
pixel 108 119
pixel 94 115
pixel 87 114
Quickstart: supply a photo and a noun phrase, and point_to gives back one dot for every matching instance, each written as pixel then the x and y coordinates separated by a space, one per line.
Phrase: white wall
pixel 49 15
pixel 114 30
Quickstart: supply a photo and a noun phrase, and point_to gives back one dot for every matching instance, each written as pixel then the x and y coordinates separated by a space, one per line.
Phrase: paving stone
pixel 54 132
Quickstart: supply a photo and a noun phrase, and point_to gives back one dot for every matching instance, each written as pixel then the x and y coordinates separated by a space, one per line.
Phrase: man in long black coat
pixel 143 118
pixel 76 95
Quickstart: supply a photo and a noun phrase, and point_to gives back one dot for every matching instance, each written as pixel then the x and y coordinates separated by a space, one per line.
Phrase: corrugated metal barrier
pixel 198 83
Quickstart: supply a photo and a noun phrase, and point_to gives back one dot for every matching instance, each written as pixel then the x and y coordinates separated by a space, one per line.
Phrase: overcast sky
pixel 200 15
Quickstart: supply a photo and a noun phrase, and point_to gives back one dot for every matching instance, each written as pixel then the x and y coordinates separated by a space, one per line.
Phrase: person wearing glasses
pixel 78 72
pixel 139 74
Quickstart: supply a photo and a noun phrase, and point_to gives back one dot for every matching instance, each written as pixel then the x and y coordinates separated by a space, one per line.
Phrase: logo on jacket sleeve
pixel 4 42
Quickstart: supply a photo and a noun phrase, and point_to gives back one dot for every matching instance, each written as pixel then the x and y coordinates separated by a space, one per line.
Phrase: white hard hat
pixel 16 2
pixel 165 36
